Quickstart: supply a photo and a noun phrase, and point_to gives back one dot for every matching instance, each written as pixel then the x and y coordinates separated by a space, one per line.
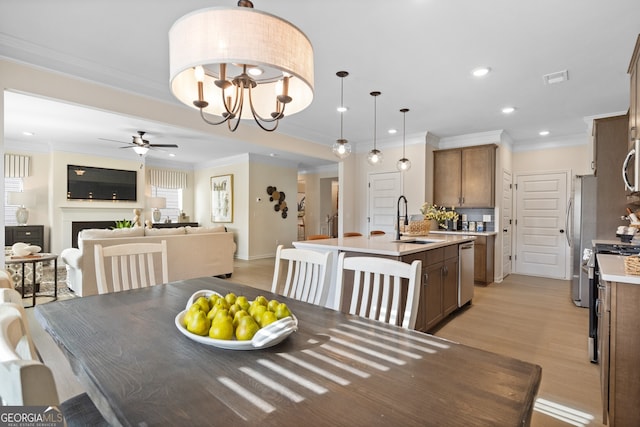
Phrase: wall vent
pixel 557 77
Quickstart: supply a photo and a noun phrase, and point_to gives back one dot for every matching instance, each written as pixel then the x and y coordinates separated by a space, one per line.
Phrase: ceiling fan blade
pixel 113 140
pixel 164 145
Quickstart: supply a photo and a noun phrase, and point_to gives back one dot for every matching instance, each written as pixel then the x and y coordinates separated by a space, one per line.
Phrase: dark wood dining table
pixel 335 370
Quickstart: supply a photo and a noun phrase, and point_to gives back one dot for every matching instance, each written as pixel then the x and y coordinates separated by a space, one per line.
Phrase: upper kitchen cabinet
pixel 634 102
pixel 465 177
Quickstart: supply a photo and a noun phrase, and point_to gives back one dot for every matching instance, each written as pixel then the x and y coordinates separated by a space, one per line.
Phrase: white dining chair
pixel 26 381
pixel 13 297
pixel 380 285
pixel 132 266
pixel 308 274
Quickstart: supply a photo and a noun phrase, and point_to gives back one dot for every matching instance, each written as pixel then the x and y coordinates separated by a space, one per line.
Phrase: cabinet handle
pixel 445 270
pixel 425 279
pixel 598 308
pixel 27 233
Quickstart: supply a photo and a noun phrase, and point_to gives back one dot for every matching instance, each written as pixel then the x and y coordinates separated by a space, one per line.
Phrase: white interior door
pixel 507 219
pixel 384 190
pixel 541 245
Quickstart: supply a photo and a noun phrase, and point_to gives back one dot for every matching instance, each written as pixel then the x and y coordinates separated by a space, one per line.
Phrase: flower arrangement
pixel 438 213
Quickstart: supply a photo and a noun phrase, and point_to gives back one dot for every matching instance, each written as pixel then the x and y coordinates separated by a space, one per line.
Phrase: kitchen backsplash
pixel 479 215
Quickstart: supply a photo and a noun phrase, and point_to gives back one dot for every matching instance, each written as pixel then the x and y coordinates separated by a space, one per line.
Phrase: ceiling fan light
pixel 140 150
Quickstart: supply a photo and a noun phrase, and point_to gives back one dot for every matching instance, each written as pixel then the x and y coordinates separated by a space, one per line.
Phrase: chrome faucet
pixel 406 216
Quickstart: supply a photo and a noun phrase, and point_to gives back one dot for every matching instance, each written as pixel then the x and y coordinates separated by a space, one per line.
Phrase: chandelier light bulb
pixel 341 149
pixel 375 156
pixel 404 164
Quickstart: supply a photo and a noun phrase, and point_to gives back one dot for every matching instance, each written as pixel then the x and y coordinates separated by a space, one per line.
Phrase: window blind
pixel 167 179
pixel 16 166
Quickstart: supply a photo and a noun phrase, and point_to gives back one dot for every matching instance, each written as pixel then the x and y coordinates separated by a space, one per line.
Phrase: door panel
pixel 384 190
pixel 541 201
pixel 505 227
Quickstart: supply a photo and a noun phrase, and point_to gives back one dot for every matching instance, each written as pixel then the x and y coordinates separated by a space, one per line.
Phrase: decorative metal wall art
pixel 278 197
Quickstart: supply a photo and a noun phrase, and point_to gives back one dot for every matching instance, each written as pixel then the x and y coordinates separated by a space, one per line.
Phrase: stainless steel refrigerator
pixel 583 214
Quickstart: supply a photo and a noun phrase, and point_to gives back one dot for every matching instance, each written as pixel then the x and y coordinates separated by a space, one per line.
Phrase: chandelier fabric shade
pixel 231 44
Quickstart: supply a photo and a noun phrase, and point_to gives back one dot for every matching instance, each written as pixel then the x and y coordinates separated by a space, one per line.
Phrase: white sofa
pixel 192 252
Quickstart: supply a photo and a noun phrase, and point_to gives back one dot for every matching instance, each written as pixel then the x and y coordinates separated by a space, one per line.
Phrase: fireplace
pixel 89 215
pixel 77 226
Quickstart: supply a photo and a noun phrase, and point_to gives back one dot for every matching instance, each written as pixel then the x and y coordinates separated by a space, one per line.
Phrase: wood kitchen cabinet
pixel 619 347
pixel 439 292
pixel 483 260
pixel 465 177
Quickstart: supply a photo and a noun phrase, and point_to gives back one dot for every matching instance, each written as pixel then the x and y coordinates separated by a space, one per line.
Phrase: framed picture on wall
pixel 222 198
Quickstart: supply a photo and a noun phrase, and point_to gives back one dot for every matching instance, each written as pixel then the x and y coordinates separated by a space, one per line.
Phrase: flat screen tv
pixel 89 183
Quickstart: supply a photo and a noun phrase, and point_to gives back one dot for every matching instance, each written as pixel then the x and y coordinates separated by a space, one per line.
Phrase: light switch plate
pixel 486 218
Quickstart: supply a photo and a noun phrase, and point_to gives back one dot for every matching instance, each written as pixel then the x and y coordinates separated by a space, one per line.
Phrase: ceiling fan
pixel 141 145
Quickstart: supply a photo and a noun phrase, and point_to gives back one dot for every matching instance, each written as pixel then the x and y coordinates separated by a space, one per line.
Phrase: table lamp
pixel 23 200
pixel 157 203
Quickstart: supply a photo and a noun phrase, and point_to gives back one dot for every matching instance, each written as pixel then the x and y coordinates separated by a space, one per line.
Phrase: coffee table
pixel 33 259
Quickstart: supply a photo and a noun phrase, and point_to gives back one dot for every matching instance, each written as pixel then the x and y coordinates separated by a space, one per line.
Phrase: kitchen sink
pixel 419 241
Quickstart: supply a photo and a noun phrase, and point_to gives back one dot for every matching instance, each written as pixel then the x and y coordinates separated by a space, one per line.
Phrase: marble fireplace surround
pixel 75 219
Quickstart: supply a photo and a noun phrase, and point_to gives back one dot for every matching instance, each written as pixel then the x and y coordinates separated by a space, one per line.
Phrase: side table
pixel 33 259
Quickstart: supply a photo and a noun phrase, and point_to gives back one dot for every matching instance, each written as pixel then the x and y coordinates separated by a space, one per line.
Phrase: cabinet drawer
pixel 434 256
pixel 28 235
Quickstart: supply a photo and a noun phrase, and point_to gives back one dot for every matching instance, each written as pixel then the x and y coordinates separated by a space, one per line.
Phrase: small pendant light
pixel 403 164
pixel 375 156
pixel 341 148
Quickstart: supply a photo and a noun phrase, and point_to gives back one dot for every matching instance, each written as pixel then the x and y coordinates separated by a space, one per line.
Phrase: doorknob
pixel 505 230
pixel 561 231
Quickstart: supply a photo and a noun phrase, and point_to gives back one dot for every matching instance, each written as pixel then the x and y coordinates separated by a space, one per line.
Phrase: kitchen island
pixel 440 268
pixel 484 253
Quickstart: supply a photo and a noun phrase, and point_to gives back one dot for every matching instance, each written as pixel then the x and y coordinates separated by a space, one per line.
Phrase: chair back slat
pixel 308 274
pixel 133 266
pixel 380 287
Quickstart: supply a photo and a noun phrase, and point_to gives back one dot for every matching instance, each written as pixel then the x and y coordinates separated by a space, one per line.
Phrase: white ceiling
pixel 418 53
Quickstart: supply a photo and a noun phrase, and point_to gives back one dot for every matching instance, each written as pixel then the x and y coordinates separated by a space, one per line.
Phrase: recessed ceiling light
pixel 508 110
pixel 481 71
pixel 392 131
pixel 273 154
pixel 172 155
pixel 342 109
pixel 543 133
pixel 27 133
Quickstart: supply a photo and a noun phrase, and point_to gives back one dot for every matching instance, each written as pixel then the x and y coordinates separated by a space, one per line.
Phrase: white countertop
pixel 384 244
pixel 612 270
pixel 466 233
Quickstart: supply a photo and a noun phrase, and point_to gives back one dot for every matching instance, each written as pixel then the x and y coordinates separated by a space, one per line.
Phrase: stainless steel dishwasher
pixel 465 273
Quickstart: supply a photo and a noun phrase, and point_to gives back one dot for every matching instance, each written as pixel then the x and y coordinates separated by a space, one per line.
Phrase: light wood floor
pixel 528 318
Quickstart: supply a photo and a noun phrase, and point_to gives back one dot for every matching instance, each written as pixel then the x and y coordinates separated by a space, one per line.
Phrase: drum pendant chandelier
pixel 239 63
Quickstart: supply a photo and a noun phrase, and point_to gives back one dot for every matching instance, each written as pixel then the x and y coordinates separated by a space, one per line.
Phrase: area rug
pixel 45 293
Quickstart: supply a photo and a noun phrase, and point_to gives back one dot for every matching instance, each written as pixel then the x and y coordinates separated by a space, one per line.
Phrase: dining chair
pixel 352 234
pixel 377 232
pixel 308 274
pixel 26 381
pixel 13 298
pixel 380 286
pixel 132 266
pixel 318 237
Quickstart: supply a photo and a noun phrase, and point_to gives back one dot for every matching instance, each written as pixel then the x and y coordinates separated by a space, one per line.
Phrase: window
pixel 11 184
pixel 174 202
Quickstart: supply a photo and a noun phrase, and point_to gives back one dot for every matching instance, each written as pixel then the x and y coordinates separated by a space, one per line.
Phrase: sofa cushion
pixel 199 230
pixel 163 231
pixel 99 233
